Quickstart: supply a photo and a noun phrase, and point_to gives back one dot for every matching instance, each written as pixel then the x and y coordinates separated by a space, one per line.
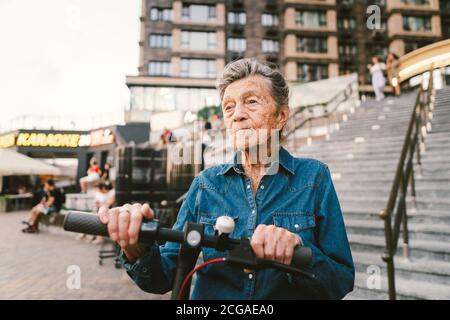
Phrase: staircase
pixel 362 157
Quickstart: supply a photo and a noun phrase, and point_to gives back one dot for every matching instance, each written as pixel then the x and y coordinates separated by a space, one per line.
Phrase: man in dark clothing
pixel 47 201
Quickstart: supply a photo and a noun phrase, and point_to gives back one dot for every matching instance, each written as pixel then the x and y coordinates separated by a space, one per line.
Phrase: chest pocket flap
pixel 294 222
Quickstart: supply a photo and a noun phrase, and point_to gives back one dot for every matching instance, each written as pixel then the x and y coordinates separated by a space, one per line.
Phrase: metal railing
pixel 396 210
pixel 331 113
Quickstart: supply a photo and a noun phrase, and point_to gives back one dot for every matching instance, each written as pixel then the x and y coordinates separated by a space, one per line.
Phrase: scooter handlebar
pixel 87 223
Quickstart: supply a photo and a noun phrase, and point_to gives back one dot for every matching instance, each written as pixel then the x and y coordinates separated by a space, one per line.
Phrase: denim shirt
pixel 299 197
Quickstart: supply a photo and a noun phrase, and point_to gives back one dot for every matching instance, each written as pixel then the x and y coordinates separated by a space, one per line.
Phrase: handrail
pixel 328 113
pixel 419 125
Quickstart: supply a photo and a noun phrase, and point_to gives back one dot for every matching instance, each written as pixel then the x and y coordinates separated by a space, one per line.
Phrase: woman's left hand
pixel 274 243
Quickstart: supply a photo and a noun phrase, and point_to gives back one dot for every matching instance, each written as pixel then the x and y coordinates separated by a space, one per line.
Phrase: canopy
pixel 14 163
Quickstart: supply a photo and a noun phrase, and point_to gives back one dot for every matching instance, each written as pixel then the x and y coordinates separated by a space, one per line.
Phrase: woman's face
pixel 250 112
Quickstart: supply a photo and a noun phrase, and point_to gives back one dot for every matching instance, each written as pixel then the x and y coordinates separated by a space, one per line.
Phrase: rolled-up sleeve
pixel 153 272
pixel 332 263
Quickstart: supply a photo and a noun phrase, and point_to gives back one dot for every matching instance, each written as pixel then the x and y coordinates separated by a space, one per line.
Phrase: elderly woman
pixel 278 201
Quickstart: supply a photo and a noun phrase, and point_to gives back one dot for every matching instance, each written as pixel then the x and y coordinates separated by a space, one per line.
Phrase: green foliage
pixel 206 112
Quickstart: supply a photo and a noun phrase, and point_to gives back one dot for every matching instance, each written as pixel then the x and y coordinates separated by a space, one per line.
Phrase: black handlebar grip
pixel 302 257
pixel 81 222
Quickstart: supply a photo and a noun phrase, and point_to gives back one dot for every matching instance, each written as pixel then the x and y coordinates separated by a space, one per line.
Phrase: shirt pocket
pixel 301 223
pixel 209 221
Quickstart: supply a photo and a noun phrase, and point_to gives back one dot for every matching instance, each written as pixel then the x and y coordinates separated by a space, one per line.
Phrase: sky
pixel 67 57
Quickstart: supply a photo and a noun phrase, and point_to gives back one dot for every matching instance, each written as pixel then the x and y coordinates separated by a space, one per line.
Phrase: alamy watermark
pixel 373 281
pixel 73 281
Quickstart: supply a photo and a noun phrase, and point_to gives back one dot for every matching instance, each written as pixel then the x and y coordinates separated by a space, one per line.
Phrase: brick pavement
pixel 34 266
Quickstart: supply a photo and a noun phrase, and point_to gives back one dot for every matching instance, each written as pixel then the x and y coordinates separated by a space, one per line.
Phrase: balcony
pixel 237 4
pixel 236 29
pixel 272 31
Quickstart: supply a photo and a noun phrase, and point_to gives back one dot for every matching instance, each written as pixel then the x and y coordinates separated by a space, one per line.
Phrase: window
pixel 159 68
pixel 414 45
pixel 376 50
pixel 381 3
pixel 446 29
pixel 160 40
pixel 237 44
pixel 416 23
pixel 199 13
pixel 346 23
pixel 417 2
pixel 268 19
pixel 269 45
pixel 161 14
pixel 444 5
pixel 162 98
pixel 314 45
pixel 348 50
pixel 237 17
pixel 311 19
pixel 198 40
pixel 311 72
pixel 198 68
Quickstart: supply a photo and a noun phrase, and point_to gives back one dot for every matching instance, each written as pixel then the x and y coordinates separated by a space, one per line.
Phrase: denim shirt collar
pixel 285 159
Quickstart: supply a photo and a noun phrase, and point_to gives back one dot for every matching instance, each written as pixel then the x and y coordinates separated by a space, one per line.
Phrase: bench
pixel 53 219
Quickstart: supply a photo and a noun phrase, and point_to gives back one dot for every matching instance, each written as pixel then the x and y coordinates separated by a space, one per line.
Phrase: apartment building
pixel 184 44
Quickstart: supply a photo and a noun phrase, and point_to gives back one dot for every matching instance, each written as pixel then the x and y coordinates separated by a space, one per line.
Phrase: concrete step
pixel 433 139
pixel 439 204
pixel 361 183
pixel 386 118
pixel 428 171
pixel 424 192
pixel 426 216
pixel 420 231
pixel 419 249
pixel 406 288
pixel 374 150
pixel 374 117
pixel 394 156
pixel 356 150
pixel 407 269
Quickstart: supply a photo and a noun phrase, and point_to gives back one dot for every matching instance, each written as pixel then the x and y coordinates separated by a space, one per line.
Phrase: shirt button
pixel 262 187
pixel 144 270
pixel 248 186
pixel 297 226
pixel 253 211
pixel 250 276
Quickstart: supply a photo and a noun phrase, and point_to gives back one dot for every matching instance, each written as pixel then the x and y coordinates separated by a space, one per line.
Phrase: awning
pixel 14 163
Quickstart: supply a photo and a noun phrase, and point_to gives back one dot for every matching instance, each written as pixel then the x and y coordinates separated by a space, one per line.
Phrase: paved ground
pixel 34 266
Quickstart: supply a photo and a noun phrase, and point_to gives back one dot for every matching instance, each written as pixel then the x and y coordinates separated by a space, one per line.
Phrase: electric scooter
pixel 192 238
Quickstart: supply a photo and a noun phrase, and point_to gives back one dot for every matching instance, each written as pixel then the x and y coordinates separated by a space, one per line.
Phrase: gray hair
pixel 243 68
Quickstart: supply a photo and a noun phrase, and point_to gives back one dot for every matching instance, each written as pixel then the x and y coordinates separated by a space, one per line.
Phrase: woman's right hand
pixel 124 224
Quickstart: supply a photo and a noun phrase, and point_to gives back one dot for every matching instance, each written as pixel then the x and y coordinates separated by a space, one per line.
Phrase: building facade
pixel 185 44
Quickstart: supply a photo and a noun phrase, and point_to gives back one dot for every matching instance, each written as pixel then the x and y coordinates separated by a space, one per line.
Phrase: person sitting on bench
pixel 49 201
pixel 93 175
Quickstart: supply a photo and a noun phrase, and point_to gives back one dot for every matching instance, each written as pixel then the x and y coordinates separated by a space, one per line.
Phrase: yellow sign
pixel 58 140
pixel 8 140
